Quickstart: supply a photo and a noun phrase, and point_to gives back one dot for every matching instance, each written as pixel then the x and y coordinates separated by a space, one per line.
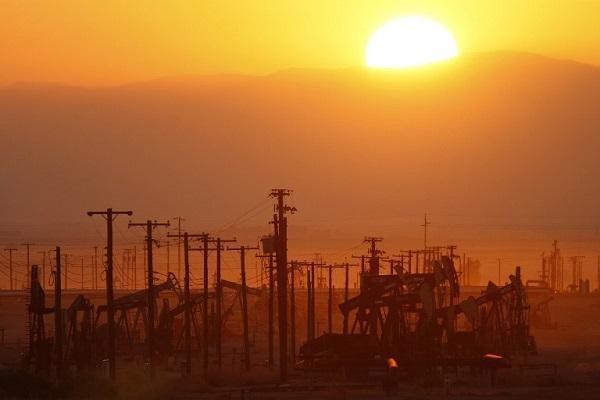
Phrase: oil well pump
pixel 131 315
pixel 418 320
pixel 39 356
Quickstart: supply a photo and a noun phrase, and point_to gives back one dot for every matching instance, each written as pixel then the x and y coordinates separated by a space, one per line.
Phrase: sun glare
pixel 408 42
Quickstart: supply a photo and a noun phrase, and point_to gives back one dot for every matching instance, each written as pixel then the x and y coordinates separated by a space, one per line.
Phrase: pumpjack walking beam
pixel 149 227
pixel 242 250
pixel 110 216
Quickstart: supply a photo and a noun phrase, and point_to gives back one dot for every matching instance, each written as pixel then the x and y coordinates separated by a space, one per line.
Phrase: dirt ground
pixel 573 346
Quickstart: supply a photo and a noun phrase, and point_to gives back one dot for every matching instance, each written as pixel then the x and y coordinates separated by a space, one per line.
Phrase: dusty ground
pixel 573 346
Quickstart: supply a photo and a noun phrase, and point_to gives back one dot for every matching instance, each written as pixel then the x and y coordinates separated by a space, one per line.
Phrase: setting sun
pixel 408 42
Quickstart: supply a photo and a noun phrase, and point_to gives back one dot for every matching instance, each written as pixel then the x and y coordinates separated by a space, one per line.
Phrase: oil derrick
pixel 40 348
pixel 280 235
pixel 110 215
pixel 151 300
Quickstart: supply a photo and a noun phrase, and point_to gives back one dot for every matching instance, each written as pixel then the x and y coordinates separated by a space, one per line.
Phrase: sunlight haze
pixel 109 42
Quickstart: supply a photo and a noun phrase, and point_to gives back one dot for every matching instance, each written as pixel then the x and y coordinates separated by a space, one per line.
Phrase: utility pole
pixel 204 249
pixel 374 253
pixel 58 334
pixel 271 308
pixel 66 256
pixel 330 301
pixel 219 301
pixel 425 224
pixel 168 257
pixel 27 245
pixel 135 267
pixel 280 231
pixel 268 253
pixel 294 265
pixel 499 271
pixel 43 253
pixel 186 294
pixel 179 219
pixel 310 284
pixel 205 305
pixel 346 277
pixel 311 277
pixel 330 269
pixel 149 227
pixel 96 267
pixel 242 250
pixel 346 267
pixel 10 266
pixel 109 215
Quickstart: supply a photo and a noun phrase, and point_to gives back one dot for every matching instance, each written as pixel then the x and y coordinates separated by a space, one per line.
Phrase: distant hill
pixel 485 134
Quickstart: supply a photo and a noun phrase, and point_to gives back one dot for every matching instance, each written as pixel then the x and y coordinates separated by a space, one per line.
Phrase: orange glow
pixel 104 42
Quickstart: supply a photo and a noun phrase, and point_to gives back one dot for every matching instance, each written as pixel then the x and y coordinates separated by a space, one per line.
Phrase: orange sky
pixel 104 41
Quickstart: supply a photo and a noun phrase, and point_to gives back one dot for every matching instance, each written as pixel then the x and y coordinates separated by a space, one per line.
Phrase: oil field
pixel 299 200
pixel 405 324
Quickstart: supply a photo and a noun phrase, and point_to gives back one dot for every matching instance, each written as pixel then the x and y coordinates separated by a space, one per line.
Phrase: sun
pixel 408 42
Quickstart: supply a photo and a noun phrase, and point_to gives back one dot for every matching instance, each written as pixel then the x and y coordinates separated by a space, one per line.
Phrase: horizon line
pixel 268 74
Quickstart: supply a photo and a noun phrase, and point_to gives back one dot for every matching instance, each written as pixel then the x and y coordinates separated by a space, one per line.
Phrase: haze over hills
pixel 512 138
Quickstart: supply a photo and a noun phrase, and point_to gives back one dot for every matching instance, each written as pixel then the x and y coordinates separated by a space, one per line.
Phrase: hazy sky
pixel 104 41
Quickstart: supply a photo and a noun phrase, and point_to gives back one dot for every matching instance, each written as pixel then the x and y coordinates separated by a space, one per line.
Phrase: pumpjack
pixel 413 318
pixel 129 335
